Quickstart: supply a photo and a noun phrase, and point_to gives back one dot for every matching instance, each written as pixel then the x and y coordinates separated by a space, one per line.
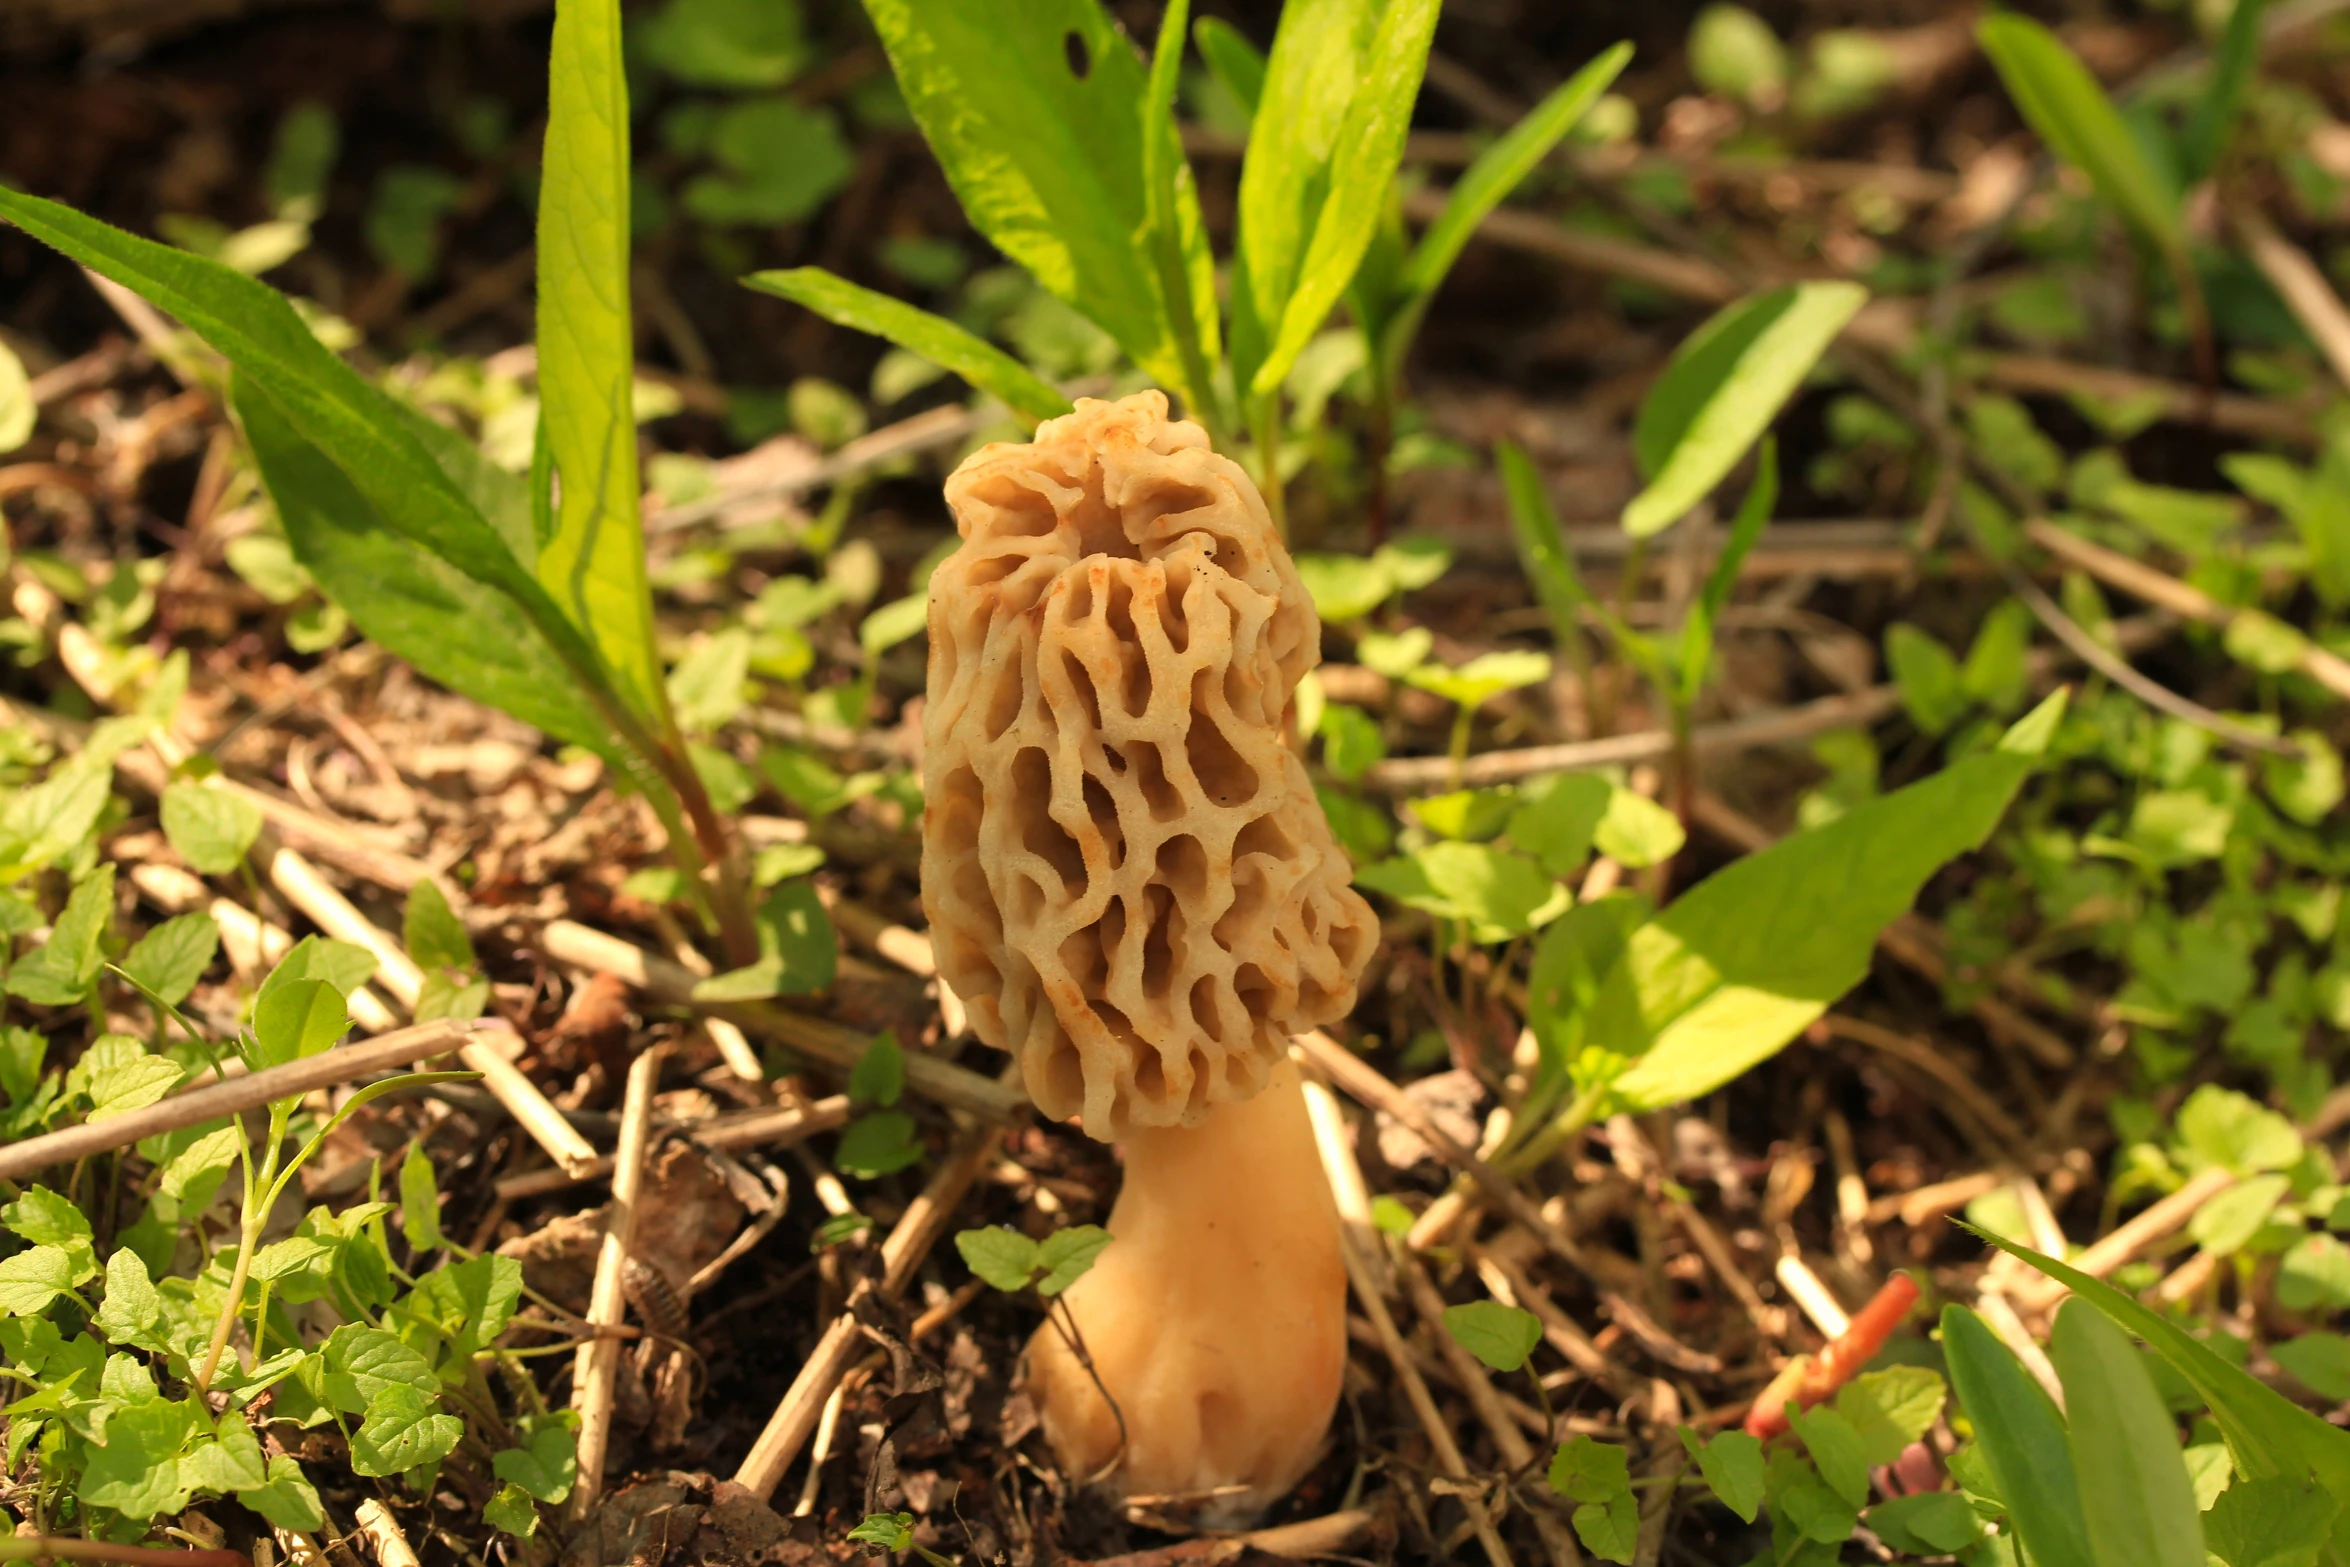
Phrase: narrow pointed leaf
pixel 2063 103
pixel 2023 1438
pixel 935 338
pixel 2136 1497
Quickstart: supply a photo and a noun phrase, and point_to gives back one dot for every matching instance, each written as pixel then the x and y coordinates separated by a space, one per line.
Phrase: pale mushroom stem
pixel 1217 1318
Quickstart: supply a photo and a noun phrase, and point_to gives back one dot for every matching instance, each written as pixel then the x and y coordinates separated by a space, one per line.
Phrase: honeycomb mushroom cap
pixel 1128 877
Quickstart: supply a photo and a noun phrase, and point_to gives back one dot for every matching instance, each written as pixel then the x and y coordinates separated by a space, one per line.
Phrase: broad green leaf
pixel 211 828
pixel 231 1461
pixel 1034 113
pixel 1732 1464
pixel 1395 654
pixel 465 632
pixel 1541 546
pixel 172 957
pixel 2272 1522
pixel 594 565
pixel 890 1531
pixel 1636 831
pixel 1173 235
pixel 1501 893
pixel 1309 80
pixel 297 1019
pixel 47 1219
pixel 1500 1336
pixel 2136 1498
pixel 137 1472
pixel 1351 741
pixel 131 1085
pixel 1343 587
pixel 1557 825
pixel 469 1302
pixel 362 1361
pixel 2219 1126
pixel 1890 1409
pixel 734 44
pixel 1930 1523
pixel 431 931
pixel 1005 1258
pixel 2223 1224
pixel 63 969
pixel 706 689
pixel 879 1076
pixel 512 1511
pixel 874 1145
pixel 284 1259
pixel 1468 815
pixel 987 367
pixel 1487 182
pixel 798 951
pixel 548 1467
pixel 1483 677
pixel 1361 180
pixel 2023 1439
pixel 1725 384
pixel 2062 102
pixel 1836 1449
pixel 2268 1435
pixel 1589 1470
pixel 46 821
pixel 1609 1530
pixel 893 623
pixel 403 1429
pixel 287 1499
pixel 420 1201
pixel 321 398
pixel 2318 1361
pixel 132 1313
pixel 1067 1255
pixel 1706 990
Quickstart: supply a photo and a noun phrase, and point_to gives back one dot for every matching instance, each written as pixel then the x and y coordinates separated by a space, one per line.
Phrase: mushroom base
pixel 1217 1318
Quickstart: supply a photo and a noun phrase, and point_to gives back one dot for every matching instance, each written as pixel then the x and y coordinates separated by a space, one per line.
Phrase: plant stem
pixel 1459 749
pixel 1380 441
pixel 41 1547
pixel 1268 424
pixel 248 1238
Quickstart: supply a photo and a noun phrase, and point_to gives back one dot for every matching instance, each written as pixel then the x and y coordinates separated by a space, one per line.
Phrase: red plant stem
pixel 1813 1380
pixel 41 1547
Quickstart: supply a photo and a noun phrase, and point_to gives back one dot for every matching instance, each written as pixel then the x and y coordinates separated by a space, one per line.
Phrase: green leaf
pixel 893 623
pixel 1890 1409
pixel 987 367
pixel 1067 1255
pixel 1502 893
pixel 1637 832
pixel 473 636
pixel 132 1313
pixel 376 444
pixel 2136 1498
pixel 1724 385
pixel 1589 1470
pixel 512 1511
pixel 1486 676
pixel 2318 1361
pixel 2267 1434
pixel 2234 1131
pixel 2023 1439
pixel 431 931
pixel 65 967
pixel 2271 1522
pixel 288 1500
pixel 1173 236
pixel 131 1085
pixel 1557 825
pixel 404 1428
pixel 594 565
pixel 1732 1464
pixel 137 1472
pixel 362 1361
pixel 798 951
pixel 2223 1224
pixel 737 44
pixel 48 820
pixel 880 1074
pixel 1502 165
pixel 1836 1448
pixel 1471 815
pixel 1232 58
pixel 1005 1258
pixel 706 687
pixel 1343 587
pixel 1931 1523
pixel 891 1531
pixel 1609 1529
pixel 284 1259
pixel 469 1302
pixel 2062 102
pixel 1754 514
pixel 420 1201
pixel 1541 546
pixel 1706 990
pixel 873 1145
pixel 297 1019
pixel 1351 742
pixel 1361 180
pixel 231 1461
pixel 46 1219
pixel 1500 1336
pixel 1033 111
pixel 169 959
pixel 547 1468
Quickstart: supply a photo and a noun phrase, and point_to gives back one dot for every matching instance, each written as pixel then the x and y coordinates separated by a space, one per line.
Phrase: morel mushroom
pixel 1131 886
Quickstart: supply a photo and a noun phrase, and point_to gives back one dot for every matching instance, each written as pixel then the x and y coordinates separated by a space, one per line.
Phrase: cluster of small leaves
pixel 1012 1262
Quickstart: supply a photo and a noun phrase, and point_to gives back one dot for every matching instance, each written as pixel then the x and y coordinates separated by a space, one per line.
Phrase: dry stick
pixel 757 1129
pixel 2156 1221
pixel 599 1358
pixel 2302 287
pixel 335 914
pixel 1468 1373
pixel 329 1068
pixel 1941 1069
pixel 931 1076
pixel 2155 587
pixel 910 950
pixel 1333 1138
pixel 1858 708
pixel 1399 1356
pixel 1363 1083
pixel 910 1240
pixel 44 1547
pixel 381 1531
pixel 1810 1293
